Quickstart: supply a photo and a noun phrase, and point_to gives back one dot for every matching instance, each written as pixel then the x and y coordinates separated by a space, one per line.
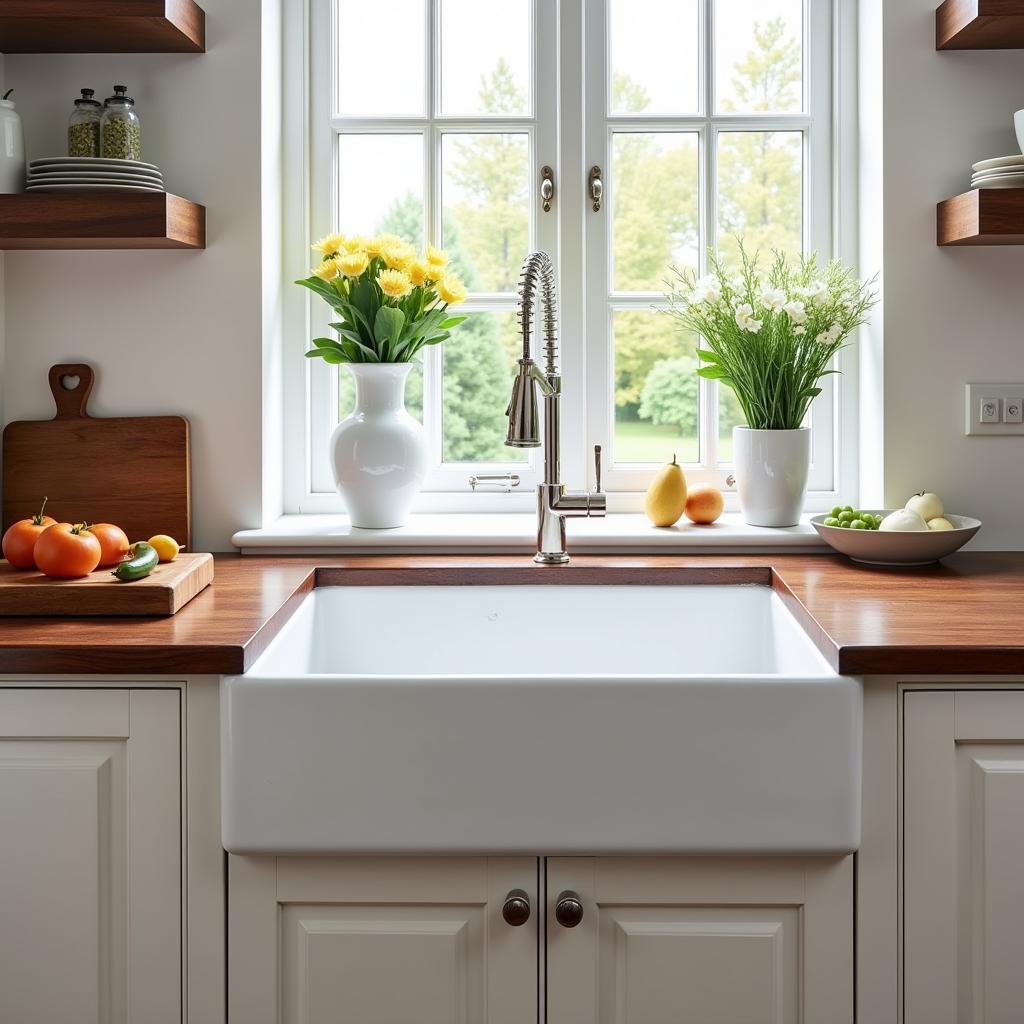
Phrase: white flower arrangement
pixel 771 340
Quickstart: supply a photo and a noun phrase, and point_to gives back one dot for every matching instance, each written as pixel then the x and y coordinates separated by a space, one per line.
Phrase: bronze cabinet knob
pixel 516 908
pixel 569 909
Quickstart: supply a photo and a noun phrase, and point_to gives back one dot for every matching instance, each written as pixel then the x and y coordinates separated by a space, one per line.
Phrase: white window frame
pixel 566 32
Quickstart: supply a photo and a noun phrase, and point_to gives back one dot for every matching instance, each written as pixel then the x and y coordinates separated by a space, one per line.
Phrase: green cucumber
pixel 143 561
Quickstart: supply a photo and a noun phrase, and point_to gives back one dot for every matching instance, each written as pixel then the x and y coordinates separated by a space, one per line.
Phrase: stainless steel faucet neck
pixel 554 505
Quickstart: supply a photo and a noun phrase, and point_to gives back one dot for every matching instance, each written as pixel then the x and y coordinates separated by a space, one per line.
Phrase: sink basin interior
pixel 542 630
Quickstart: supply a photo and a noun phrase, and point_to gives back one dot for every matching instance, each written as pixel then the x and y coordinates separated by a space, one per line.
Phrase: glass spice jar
pixel 121 129
pixel 84 126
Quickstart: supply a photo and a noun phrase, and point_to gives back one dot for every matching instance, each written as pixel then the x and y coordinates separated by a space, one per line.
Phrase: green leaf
pixel 324 342
pixel 711 372
pixel 708 356
pixel 452 321
pixel 387 327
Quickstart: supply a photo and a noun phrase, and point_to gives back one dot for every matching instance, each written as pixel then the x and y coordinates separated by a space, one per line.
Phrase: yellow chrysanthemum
pixel 394 283
pixel 373 246
pixel 330 245
pixel 387 240
pixel 356 243
pixel 398 255
pixel 352 264
pixel 418 272
pixel 437 256
pixel 327 271
pixel 451 290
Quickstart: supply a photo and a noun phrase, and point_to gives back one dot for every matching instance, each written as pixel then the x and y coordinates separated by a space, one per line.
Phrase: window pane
pixel 729 415
pixel 485 57
pixel 654 56
pixel 758 56
pixel 760 191
pixel 365 31
pixel 656 214
pixel 413 392
pixel 478 368
pixel 485 189
pixel 380 185
pixel 656 389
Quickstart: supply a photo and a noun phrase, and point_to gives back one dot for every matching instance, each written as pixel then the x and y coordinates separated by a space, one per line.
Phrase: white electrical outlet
pixel 994 409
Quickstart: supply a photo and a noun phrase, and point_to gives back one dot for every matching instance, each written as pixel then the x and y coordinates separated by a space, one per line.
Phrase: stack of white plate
pixel 1000 172
pixel 92 174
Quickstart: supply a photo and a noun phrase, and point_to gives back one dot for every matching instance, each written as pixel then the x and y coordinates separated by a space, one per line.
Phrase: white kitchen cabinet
pixel 963 865
pixel 90 856
pixel 701 941
pixel 380 941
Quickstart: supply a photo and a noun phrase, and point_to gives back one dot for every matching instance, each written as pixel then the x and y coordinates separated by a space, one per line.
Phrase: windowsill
pixel 498 533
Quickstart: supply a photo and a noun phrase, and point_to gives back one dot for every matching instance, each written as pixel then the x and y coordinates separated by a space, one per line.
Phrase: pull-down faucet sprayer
pixel 554 504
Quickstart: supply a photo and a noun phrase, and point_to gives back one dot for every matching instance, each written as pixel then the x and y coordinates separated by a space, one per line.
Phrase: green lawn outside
pixel 640 441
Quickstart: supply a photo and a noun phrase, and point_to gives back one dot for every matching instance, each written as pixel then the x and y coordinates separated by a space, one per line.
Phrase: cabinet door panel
pixel 380 941
pixel 963 851
pixel 723 941
pixel 90 868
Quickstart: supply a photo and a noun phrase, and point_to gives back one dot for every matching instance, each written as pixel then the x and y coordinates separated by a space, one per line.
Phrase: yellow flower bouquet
pixel 390 300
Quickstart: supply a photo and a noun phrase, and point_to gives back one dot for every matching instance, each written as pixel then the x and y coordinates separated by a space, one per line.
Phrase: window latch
pixel 547 187
pixel 500 481
pixel 596 187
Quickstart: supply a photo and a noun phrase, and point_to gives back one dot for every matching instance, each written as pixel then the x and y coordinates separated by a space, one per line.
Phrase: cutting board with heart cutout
pixel 130 470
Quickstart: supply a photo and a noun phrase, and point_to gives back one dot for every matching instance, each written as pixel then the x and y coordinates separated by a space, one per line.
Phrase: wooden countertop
pixel 964 616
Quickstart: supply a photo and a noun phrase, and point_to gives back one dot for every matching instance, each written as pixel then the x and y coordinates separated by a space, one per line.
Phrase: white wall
pixel 951 315
pixel 182 332
pixel 169 332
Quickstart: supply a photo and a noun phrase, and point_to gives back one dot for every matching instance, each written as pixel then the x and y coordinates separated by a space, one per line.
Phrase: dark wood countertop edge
pixel 258 642
pixel 124 660
pixel 916 661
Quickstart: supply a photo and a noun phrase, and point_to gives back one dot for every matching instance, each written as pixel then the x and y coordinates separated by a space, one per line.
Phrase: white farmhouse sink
pixel 541 719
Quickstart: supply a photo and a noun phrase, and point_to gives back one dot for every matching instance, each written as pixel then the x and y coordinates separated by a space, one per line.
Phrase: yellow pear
pixel 666 497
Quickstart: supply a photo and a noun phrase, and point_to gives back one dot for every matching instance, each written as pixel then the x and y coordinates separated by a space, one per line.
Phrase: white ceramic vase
pixel 771 474
pixel 12 149
pixel 379 452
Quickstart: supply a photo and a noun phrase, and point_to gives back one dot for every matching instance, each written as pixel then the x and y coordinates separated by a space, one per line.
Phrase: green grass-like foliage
pixel 772 337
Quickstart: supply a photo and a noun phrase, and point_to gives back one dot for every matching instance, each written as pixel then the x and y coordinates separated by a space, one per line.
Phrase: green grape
pixel 845 516
pixel 858 524
pixel 832 521
pixel 847 508
pixel 836 511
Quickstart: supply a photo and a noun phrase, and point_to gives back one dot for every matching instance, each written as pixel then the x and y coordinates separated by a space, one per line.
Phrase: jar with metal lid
pixel 84 126
pixel 121 129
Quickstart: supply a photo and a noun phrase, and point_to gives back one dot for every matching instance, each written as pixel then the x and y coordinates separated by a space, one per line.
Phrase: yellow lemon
pixel 666 497
pixel 166 547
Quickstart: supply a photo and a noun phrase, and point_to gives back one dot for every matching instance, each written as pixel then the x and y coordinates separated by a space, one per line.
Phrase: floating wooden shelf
pixel 980 25
pixel 102 26
pixel 100 220
pixel 986 216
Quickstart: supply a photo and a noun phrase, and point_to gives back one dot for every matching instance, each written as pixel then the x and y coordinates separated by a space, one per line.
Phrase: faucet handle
pixel 597 466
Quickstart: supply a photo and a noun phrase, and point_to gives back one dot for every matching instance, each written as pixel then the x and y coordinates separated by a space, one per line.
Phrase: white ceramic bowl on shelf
pixel 896 548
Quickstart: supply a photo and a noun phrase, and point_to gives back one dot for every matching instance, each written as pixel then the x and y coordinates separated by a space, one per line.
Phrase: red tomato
pixel 114 546
pixel 20 539
pixel 67 552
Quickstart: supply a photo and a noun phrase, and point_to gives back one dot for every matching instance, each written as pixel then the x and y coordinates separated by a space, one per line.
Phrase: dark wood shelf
pixel 102 26
pixel 986 216
pixel 980 25
pixel 100 220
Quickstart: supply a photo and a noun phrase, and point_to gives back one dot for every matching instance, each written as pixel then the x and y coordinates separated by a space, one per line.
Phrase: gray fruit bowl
pixel 896 548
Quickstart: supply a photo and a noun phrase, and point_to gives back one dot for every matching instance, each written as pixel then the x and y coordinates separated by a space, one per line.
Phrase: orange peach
pixel 704 504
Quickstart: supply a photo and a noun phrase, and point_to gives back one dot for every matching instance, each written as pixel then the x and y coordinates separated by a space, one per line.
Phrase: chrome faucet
pixel 554 504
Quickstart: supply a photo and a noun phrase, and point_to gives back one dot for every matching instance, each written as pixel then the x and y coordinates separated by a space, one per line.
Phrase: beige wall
pixel 951 315
pixel 169 332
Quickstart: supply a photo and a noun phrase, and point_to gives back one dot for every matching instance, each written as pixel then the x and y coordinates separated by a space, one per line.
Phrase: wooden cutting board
pixel 132 470
pixel 166 589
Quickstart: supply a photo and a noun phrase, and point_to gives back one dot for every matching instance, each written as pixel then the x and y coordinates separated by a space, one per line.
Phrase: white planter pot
pixel 379 453
pixel 12 149
pixel 771 474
